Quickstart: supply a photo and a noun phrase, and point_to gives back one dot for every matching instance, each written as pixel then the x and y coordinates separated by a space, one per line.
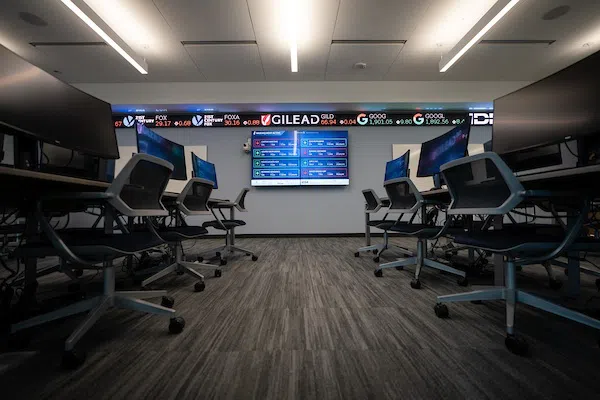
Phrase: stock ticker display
pixel 274 120
pixel 300 158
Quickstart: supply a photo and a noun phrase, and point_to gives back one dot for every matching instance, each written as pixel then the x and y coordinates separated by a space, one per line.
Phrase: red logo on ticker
pixel 265 119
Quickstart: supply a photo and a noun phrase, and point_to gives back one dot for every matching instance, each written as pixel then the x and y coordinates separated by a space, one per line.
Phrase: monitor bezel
pixel 465 153
pixel 137 141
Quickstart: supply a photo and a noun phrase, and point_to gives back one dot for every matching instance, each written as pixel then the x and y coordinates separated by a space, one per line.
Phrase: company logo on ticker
pixel 418 119
pixel 265 120
pixel 197 120
pixel 128 121
pixel 362 119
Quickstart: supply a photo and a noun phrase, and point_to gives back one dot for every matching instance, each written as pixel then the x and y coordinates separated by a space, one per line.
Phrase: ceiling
pixel 242 40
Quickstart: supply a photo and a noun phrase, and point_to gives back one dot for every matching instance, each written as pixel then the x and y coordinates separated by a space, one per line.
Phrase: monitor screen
pixel 149 142
pixel 561 106
pixel 37 104
pixel 451 146
pixel 300 158
pixel 205 170
pixel 398 167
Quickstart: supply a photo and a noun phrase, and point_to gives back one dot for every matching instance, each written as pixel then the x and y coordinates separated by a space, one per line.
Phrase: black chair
pixel 406 199
pixel 372 205
pixel 228 225
pixel 135 192
pixel 483 184
pixel 193 200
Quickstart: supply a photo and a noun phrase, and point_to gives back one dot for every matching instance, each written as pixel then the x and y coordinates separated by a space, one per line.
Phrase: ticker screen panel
pixel 300 158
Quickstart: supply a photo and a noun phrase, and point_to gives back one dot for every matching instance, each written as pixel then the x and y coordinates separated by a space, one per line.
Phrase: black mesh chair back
pixel 481 184
pixel 403 194
pixel 193 199
pixel 239 202
pixel 138 189
pixel 373 202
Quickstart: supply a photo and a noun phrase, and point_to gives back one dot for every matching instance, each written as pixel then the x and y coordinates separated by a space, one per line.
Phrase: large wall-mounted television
pixel 450 146
pixel 300 158
pixel 38 105
pixel 150 142
pixel 205 170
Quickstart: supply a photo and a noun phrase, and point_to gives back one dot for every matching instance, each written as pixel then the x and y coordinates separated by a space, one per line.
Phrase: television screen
pixel 450 146
pixel 37 104
pixel 205 170
pixel 398 167
pixel 299 158
pixel 149 142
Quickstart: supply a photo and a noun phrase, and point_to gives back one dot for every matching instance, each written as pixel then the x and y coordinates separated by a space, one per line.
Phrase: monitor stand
pixel 437 181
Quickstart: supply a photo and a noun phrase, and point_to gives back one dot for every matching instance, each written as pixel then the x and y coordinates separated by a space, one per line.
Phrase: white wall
pixel 304 210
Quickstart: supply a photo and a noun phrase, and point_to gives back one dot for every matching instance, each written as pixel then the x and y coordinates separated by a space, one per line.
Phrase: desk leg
pixel 367 229
pixel 498 259
pixel 471 228
pixel 232 216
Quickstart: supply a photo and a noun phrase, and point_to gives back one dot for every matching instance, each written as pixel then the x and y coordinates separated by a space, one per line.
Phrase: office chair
pixel 228 225
pixel 483 184
pixel 405 198
pixel 372 205
pixel 193 200
pixel 135 192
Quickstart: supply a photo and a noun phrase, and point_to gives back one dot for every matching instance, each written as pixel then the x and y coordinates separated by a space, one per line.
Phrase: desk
pixel 579 180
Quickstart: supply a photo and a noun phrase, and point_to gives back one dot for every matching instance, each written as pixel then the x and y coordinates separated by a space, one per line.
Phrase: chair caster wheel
pixel 376 259
pixel 78 273
pixel 399 268
pixel 254 258
pixel 555 284
pixel 218 254
pixel 223 261
pixel 72 359
pixel 200 259
pixel 167 301
pixel 516 345
pixel 415 284
pixel 375 251
pixel 176 325
pixel 441 310
pixel 179 272
pixel 218 273
pixel 378 273
pixel 462 281
pixel 357 254
pixel 199 286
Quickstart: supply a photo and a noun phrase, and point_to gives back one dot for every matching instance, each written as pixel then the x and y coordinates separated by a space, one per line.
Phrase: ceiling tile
pixel 378 19
pixel 378 57
pixel 207 19
pixel 228 62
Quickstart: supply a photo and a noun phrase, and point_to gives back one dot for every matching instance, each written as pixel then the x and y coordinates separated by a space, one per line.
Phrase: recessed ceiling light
pixel 32 19
pixel 57 71
pixel 556 13
pixel 360 65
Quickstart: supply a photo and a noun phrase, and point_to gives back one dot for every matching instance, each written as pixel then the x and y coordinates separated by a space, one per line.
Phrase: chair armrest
pixel 221 204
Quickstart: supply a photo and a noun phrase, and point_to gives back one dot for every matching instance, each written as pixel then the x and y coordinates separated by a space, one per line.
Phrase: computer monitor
pixel 205 170
pixel 560 107
pixel 398 167
pixel 149 142
pixel 450 146
pixel 38 106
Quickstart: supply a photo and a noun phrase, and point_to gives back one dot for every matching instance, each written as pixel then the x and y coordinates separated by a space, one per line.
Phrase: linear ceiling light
pixel 291 22
pixel 140 65
pixel 495 14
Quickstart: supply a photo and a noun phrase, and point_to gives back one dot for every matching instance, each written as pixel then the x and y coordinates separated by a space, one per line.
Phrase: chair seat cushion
pixel 382 224
pixel 88 242
pixel 421 231
pixel 177 233
pixel 228 223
